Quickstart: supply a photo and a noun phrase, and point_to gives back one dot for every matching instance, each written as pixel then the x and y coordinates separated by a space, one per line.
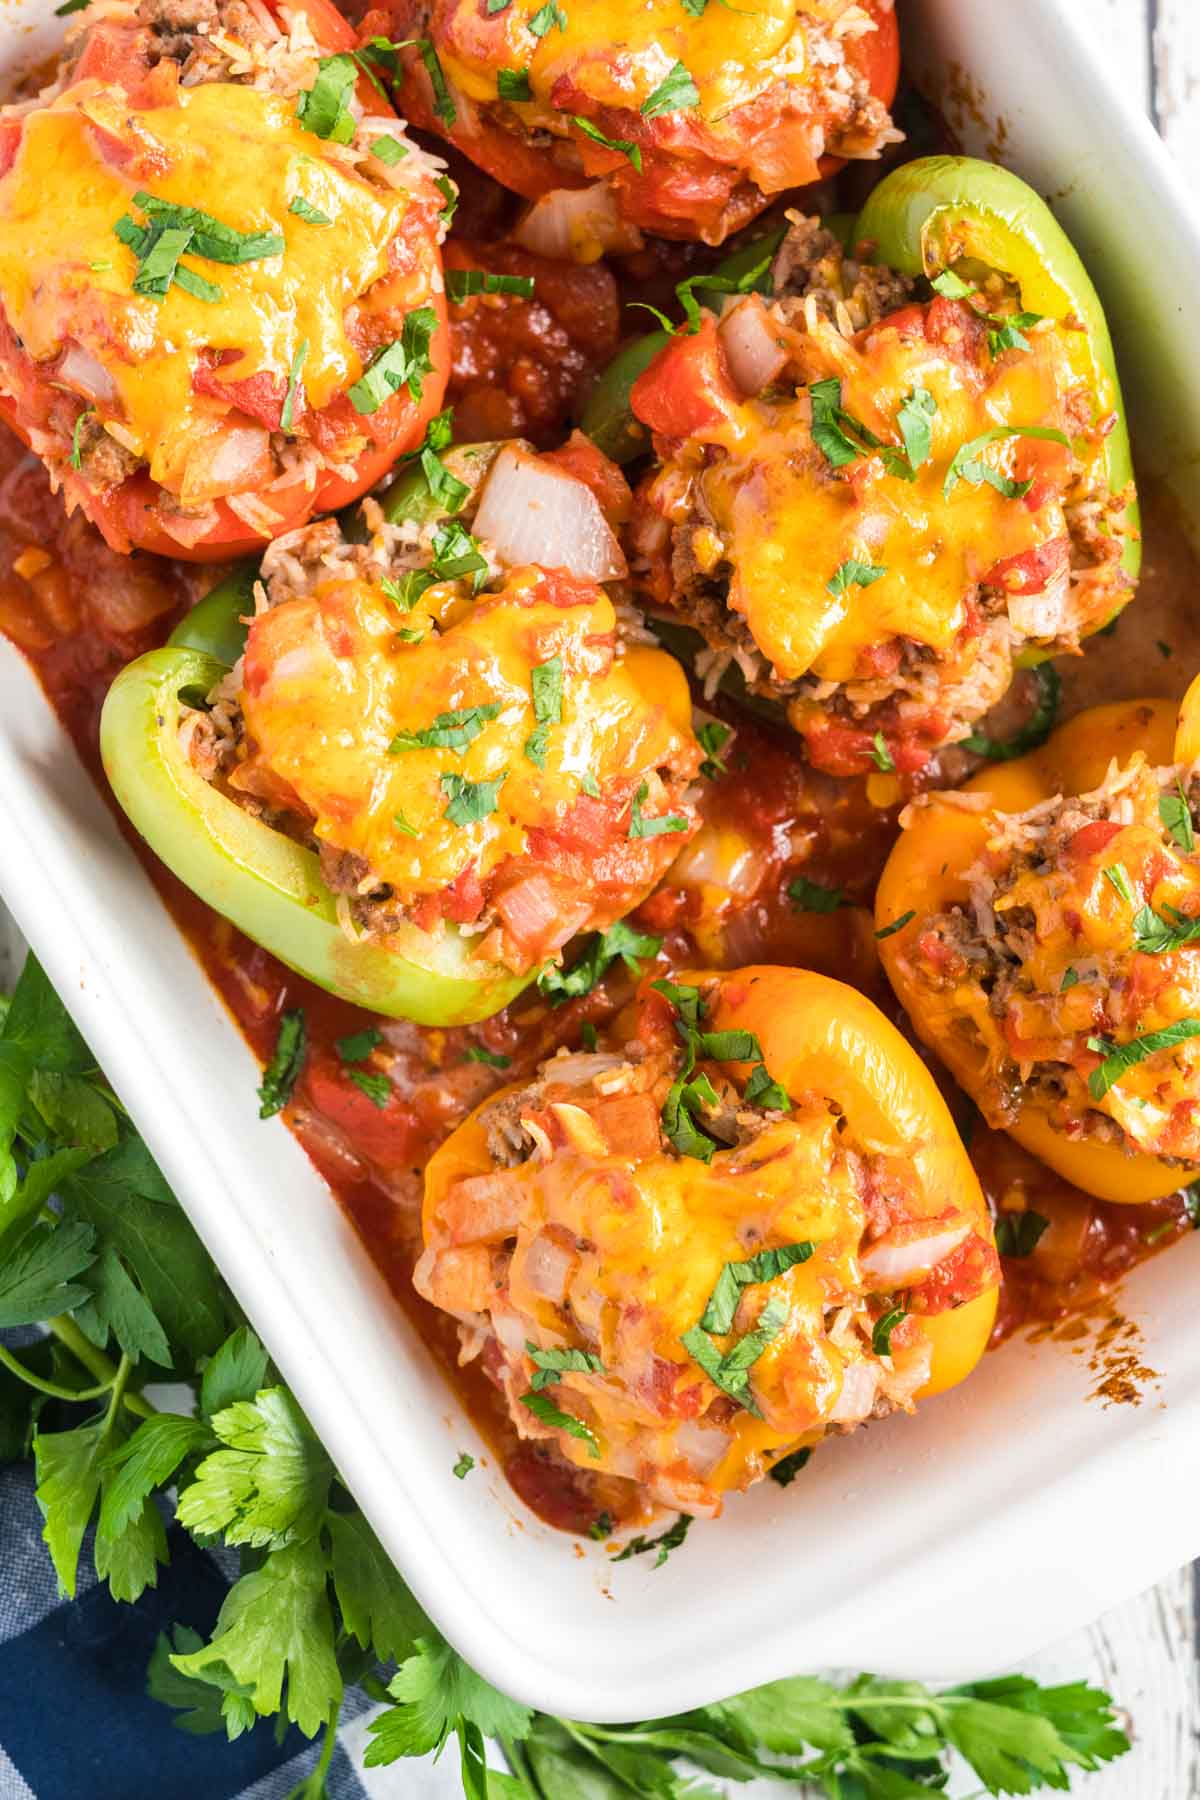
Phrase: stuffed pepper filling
pixel 462 739
pixel 681 121
pixel 873 498
pixel 232 314
pixel 677 1271
pixel 1074 968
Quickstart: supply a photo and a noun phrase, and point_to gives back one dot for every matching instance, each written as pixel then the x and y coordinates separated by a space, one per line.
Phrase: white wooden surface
pixel 1145 1652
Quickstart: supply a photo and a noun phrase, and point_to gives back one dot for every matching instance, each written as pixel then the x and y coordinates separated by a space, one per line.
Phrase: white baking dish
pixel 947 1545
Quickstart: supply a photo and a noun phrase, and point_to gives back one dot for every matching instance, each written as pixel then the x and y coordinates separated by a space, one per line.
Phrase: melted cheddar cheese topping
pixel 787 522
pixel 1076 916
pixel 236 153
pixel 615 54
pixel 330 683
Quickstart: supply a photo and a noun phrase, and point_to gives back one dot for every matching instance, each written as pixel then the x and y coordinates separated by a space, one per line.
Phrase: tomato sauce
pixel 772 824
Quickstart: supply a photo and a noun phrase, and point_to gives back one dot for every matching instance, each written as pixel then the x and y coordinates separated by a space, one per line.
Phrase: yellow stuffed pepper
pixel 1041 927
pixel 741 1222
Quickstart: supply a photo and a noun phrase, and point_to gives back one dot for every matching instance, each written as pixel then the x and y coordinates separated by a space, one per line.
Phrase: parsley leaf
pixel 462 283
pixel 513 85
pixel 304 209
pixel 358 1045
pixel 621 942
pixel 287 1060
pixel 787 1468
pixel 463 1466
pixel 676 92
pixel 1019 1233
pixel 664 1543
pixel 840 438
pixel 434 1688
pixel 492 1059
pixel 881 1334
pixel 268 1483
pixel 853 573
pixel 37 1276
pixel 1008 331
pixel 812 896
pixel 324 108
pixel 881 756
pixel 403 363
pixel 722 1304
pixel 543 1408
pixel 967 463
pixel 546 683
pixel 887 931
pixel 388 149
pixel 950 286
pixel 915 419
pixel 211 237
pixel 377 1088
pixel 293 388
pixel 1117 1058
pixel 456 554
pixel 1176 815
pixel 1117 877
pixel 449 730
pixel 1031 735
pixel 1154 935
pixel 664 824
pixel 467 802
pixel 550 1364
pixel 712 737
pixel 627 149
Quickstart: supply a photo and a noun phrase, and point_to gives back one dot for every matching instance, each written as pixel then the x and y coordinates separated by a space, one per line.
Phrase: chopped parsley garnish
pixel 536 745
pixel 1154 935
pixel 787 1468
pixel 840 438
pixel 76 457
pixel 1117 877
pixel 641 827
pixel 915 419
pixel 70 6
pixel 463 1466
pixel 718 1315
pixel 377 1088
pixel 1117 1058
pixel 158 253
pixel 546 18
pixel 1031 735
pixel 589 785
pixel 664 1543
pixel 449 730
pixel 382 51
pixel 620 943
pixel 712 737
pixel 403 363
pixel 881 1335
pixel 497 6
pixel 287 1060
pixel 588 1035
pixel 968 464
pixel 1176 815
pixel 888 931
pixel 513 84
pixel 462 283
pixel 690 1093
pixel 449 193
pixel 543 1408
pixel 211 238
pixel 763 1090
pixel 950 286
pixel 359 1045
pixel 491 1058
pixel 304 209
pixel 811 896
pixel 402 824
pixel 457 554
pixel 546 682
pixel 754 279
pixel 601 1526
pixel 731 1371
pixel 1019 1233
pixel 1008 331
pixel 1191 1203
pixel 389 150
pixel 626 148
pixel 446 489
pixel 467 802
pixel 324 108
pixel 881 756
pixel 853 573
pixel 408 590
pixel 1070 979
pixel 287 413
pixel 550 1364
pixel 676 92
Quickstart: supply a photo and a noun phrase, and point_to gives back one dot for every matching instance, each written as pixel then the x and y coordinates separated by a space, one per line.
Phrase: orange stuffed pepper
pixel 744 1221
pixel 1043 933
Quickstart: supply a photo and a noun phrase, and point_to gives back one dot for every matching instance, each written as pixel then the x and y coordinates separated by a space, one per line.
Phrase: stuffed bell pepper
pixel 615 118
pixel 1041 927
pixel 232 314
pixel 441 751
pixel 896 475
pixel 743 1222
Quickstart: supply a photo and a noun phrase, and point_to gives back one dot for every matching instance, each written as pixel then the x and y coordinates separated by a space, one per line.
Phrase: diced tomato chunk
pixel 687 389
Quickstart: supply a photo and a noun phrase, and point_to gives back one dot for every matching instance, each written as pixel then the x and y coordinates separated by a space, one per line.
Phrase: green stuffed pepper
pixel 380 754
pixel 896 475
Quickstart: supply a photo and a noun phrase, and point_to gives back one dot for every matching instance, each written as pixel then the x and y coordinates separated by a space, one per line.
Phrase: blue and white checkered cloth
pixel 76 1722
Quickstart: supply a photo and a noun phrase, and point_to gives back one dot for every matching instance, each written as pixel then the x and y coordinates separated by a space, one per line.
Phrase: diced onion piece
pixel 702 1446
pixel 755 354
pixel 579 1128
pixel 510 1329
pixel 228 461
pixel 547 1268
pixel 188 528
pixel 80 370
pixel 529 908
pixel 904 1255
pixel 1044 614
pixel 532 512
pixel 483 1208
pixel 577 225
pixel 721 857
pixel 857 1397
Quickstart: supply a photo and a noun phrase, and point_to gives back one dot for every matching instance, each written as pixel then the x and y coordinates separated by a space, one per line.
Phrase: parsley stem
pixel 18 1368
pixel 117 1392
pixel 320 1769
pixel 96 1363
